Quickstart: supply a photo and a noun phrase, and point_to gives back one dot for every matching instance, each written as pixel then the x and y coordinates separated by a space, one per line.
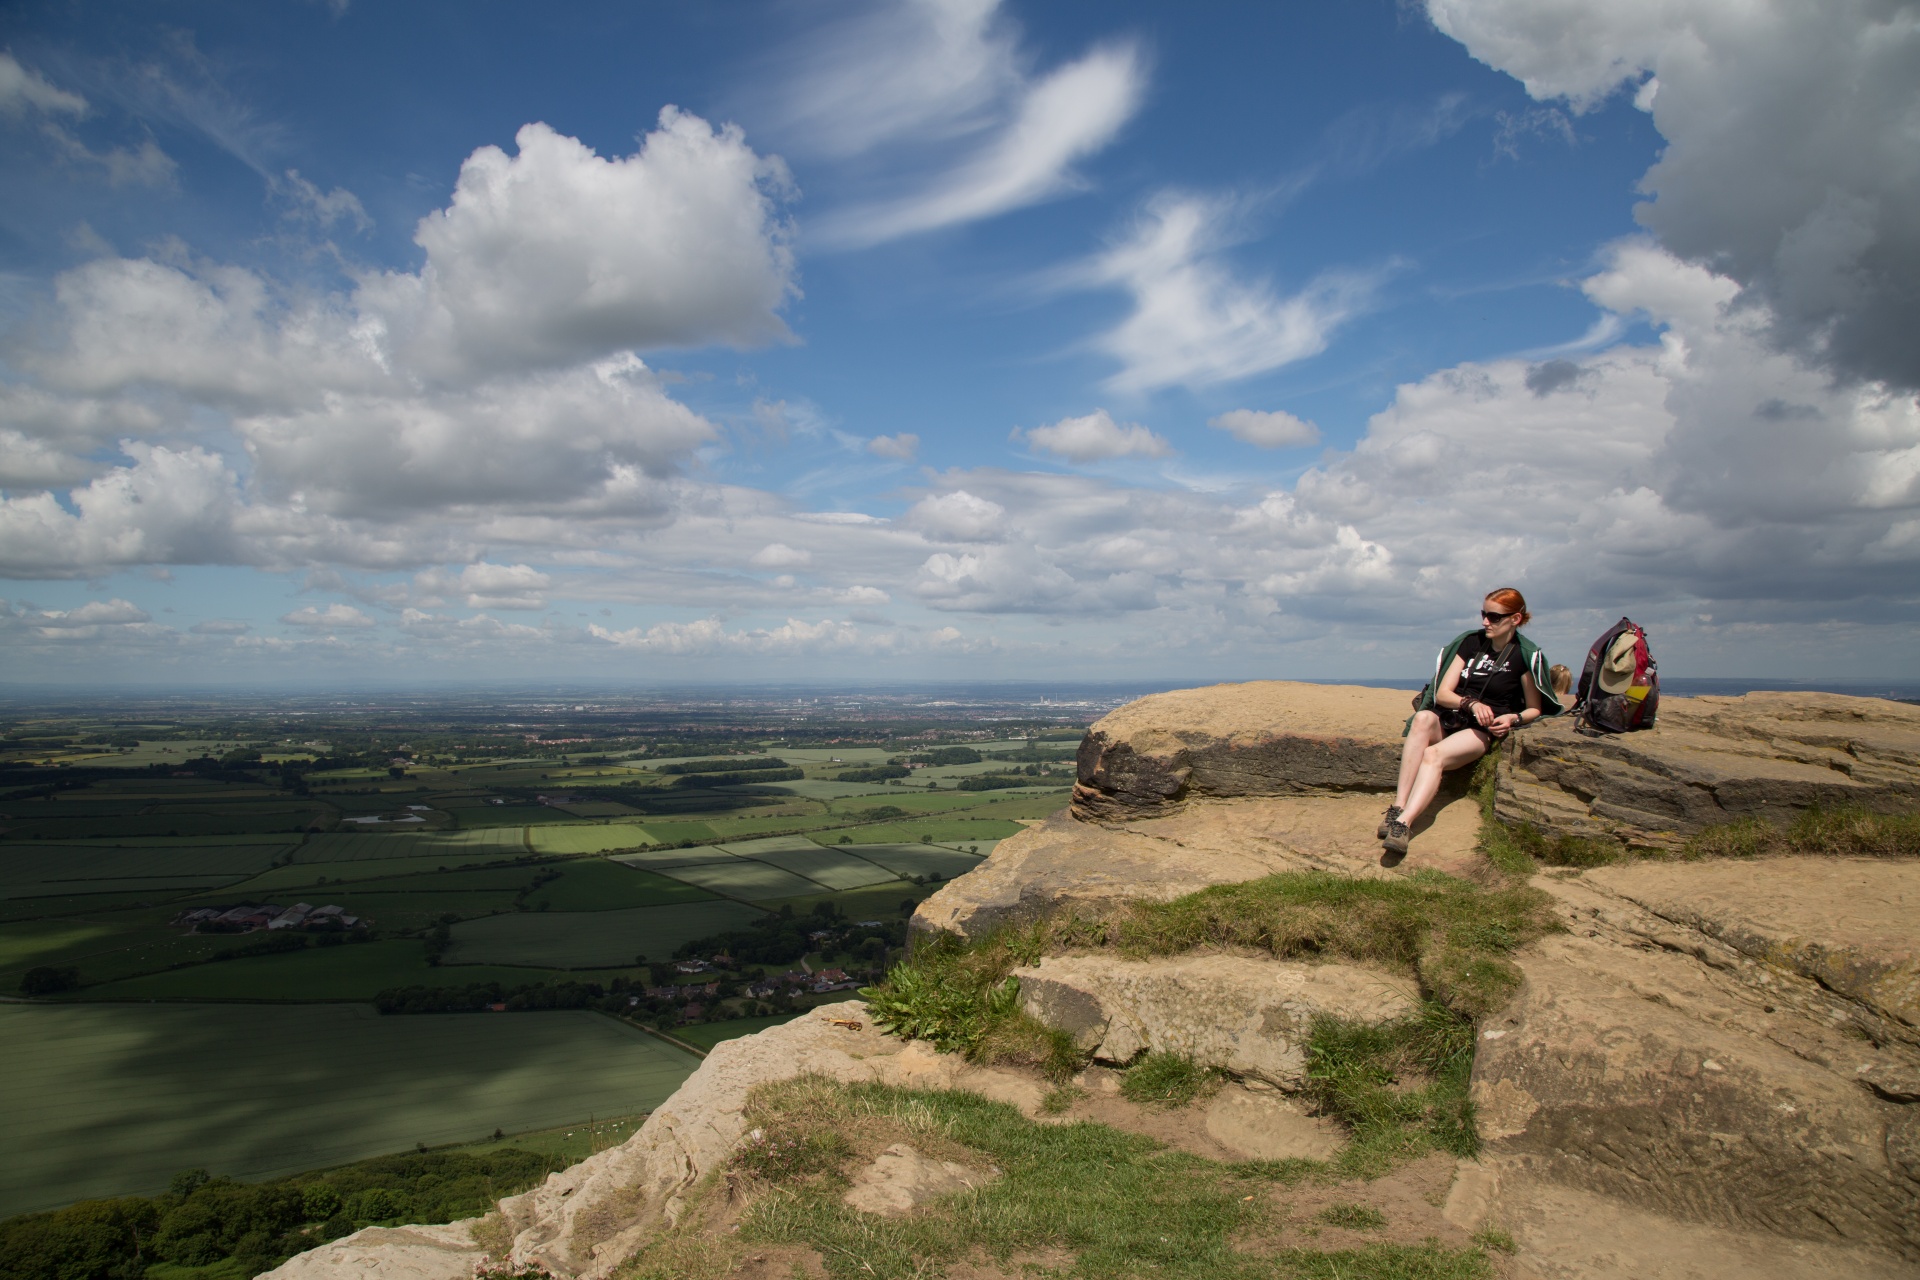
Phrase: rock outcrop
pixel 1244 1014
pixel 1713 1071
pixel 1264 738
pixel 1713 761
pixel 900 1180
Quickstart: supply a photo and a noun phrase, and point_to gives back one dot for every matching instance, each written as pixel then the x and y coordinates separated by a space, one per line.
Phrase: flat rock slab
pixel 1264 738
pixel 900 1180
pixel 1247 1015
pixel 1647 1076
pixel 1268 1126
pixel 446 1252
pixel 1064 862
pixel 1850 924
pixel 1564 1233
pixel 1712 761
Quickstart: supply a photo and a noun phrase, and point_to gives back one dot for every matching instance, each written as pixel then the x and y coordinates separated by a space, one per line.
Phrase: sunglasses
pixel 1495 617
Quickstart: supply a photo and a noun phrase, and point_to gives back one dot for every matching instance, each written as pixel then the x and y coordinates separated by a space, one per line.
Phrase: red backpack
pixel 1620 687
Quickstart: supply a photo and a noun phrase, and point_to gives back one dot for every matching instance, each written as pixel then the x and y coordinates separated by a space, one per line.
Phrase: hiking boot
pixel 1397 838
pixel 1393 816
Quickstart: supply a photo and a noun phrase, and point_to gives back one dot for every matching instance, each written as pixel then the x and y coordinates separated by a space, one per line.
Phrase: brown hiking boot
pixel 1397 838
pixel 1393 816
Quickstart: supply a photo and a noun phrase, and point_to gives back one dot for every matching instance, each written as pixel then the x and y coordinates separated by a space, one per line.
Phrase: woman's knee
pixel 1428 719
pixel 1434 756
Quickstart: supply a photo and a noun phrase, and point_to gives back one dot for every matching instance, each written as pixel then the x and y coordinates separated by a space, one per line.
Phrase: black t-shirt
pixel 1493 678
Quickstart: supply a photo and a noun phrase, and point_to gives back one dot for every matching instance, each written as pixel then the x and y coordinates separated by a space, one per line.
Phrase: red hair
pixel 1511 601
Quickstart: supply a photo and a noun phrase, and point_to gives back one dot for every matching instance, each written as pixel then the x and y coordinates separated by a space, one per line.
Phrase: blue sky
pixel 895 340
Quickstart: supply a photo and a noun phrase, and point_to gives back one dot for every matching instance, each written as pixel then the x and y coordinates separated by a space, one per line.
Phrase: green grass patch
pixel 1399 1088
pixel 595 884
pixel 744 878
pixel 1120 1205
pixel 1835 832
pixel 347 971
pixel 705 1035
pixel 962 999
pixel 585 939
pixel 1168 1080
pixel 594 838
pixel 108 1101
pixel 1353 1217
pixel 353 846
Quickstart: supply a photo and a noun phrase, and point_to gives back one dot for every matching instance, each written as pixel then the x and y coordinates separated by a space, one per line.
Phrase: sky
pixel 947 339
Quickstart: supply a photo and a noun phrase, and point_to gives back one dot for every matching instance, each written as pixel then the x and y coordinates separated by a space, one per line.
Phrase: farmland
pixel 576 855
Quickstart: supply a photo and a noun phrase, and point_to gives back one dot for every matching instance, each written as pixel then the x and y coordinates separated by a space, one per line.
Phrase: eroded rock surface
pixel 900 1180
pixel 390 1253
pixel 1712 761
pixel 1264 738
pixel 1648 1060
pixel 1244 1014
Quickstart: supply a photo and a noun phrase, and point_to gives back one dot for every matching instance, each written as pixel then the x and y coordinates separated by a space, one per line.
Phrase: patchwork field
pixel 745 879
pixel 587 939
pixel 595 838
pixel 351 971
pixel 105 1101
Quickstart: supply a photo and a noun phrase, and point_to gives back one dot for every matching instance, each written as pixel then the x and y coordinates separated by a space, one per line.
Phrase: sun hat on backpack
pixel 1620 687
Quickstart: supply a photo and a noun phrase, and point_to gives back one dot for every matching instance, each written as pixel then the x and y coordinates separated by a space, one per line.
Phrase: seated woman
pixel 1486 684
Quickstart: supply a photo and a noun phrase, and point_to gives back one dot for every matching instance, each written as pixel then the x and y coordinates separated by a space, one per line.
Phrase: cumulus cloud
pixel 221 627
pixel 169 507
pixel 1193 323
pixel 1267 429
pixel 1094 437
pixel 710 635
pixel 1790 164
pixel 778 555
pixel 958 516
pixel 900 448
pixel 332 618
pixel 945 81
pixel 503 586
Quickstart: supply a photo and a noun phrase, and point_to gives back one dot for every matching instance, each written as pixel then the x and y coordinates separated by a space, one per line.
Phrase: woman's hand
pixel 1484 714
pixel 1501 726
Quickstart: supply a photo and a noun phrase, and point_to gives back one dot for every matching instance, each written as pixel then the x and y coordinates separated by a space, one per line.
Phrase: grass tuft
pixel 1119 1204
pixel 1840 831
pixel 1353 1217
pixel 1495 1239
pixel 1400 1088
pixel 1169 1080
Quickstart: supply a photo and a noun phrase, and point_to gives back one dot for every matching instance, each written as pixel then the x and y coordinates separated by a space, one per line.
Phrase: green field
pixel 834 868
pixel 917 859
pixel 350 971
pixel 595 884
pixel 38 870
pixel 104 1101
pixel 708 1034
pixel 588 939
pixel 346 846
pixel 744 879
pixel 595 838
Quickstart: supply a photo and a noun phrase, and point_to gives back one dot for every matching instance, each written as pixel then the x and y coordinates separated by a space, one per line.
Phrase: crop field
pixel 660 859
pixel 917 859
pixel 26 868
pixel 588 939
pixel 745 879
pixel 104 1101
pixel 597 838
pixel 350 971
pixel 595 884
pixel 941 830
pixel 835 868
pixel 469 845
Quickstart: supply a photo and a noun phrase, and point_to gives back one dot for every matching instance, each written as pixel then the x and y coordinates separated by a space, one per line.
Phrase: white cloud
pixel 555 255
pixel 503 586
pixel 1071 114
pixel 169 507
pixel 900 448
pixel 332 618
pixel 1094 437
pixel 115 612
pixel 710 635
pixel 958 516
pixel 221 627
pixel 1790 165
pixel 1267 429
pixel 307 203
pixel 1193 324
pixel 942 91
pixel 21 88
pixel 778 555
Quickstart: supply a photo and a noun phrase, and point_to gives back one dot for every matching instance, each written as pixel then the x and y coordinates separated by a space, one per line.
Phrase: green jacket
pixel 1536 660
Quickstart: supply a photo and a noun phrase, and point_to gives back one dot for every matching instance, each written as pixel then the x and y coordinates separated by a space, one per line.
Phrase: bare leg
pixel 1452 752
pixel 1423 733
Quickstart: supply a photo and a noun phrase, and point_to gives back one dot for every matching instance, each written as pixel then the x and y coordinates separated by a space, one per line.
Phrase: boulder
pixel 900 1180
pixel 445 1252
pixel 1264 738
pixel 1648 1060
pixel 1710 761
pixel 1248 1015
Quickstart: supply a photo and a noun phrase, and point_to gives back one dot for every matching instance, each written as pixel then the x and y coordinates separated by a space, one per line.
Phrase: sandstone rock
pixel 1066 863
pixel 900 1180
pixel 1711 761
pixel 1268 737
pixel 1266 1126
pixel 1646 1076
pixel 1247 1015
pixel 390 1253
